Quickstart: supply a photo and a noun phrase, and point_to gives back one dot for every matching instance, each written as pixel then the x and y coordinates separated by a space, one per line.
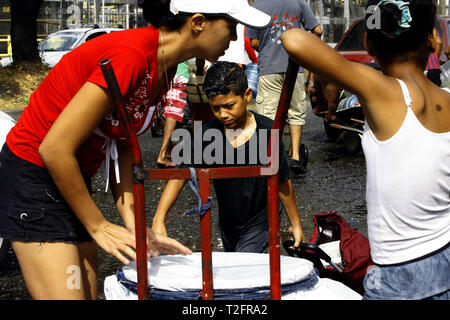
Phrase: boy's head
pixel 225 77
pixel 399 31
pixel 228 93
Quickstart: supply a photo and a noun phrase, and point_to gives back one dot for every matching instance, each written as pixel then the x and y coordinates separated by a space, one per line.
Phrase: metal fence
pixel 55 15
pixel 62 14
pixel 335 16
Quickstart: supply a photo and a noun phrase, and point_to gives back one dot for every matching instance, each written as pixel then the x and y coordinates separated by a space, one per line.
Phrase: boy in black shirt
pixel 239 136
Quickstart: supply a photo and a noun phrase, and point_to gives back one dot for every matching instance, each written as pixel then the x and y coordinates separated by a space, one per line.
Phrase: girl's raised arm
pixel 372 87
pixel 315 55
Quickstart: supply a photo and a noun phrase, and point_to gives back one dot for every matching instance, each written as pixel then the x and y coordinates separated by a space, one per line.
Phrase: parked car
pixel 57 44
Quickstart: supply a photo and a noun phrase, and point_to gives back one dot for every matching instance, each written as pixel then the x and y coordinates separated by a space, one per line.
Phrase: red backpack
pixel 354 248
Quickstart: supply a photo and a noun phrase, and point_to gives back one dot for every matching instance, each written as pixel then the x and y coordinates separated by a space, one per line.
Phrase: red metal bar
pixel 138 185
pixel 272 183
pixel 274 237
pixel 141 240
pixel 205 229
pixel 216 173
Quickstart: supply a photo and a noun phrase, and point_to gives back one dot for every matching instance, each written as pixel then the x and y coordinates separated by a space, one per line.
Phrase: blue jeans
pixel 427 278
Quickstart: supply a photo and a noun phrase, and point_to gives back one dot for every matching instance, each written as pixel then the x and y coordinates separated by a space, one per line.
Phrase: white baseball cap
pixel 238 10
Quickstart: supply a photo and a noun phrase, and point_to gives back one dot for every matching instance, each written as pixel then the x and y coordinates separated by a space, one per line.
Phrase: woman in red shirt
pixel 62 137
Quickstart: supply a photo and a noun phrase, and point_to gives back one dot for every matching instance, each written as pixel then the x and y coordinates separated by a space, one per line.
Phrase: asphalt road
pixel 335 181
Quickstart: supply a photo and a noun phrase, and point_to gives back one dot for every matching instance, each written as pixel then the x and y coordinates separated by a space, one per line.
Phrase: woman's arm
pixel 380 95
pixel 123 191
pixel 314 54
pixel 58 151
pixel 287 198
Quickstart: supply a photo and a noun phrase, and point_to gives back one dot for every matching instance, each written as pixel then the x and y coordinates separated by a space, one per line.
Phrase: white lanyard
pixel 110 148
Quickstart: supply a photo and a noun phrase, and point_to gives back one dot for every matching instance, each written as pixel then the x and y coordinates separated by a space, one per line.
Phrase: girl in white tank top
pixel 406 143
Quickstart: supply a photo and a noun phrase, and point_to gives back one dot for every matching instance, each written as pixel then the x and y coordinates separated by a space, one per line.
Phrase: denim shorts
pixel 426 278
pixel 31 206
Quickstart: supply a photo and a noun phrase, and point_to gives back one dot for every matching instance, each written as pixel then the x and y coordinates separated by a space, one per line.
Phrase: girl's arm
pixel 123 192
pixel 372 87
pixel 286 195
pixel 58 151
pixel 315 55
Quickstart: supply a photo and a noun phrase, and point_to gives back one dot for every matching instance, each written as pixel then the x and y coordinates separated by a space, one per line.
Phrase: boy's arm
pixel 168 198
pixel 286 195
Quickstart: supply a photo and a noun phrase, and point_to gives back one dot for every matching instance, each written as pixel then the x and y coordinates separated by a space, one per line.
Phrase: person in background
pixel 174 103
pixel 273 62
pixel 433 68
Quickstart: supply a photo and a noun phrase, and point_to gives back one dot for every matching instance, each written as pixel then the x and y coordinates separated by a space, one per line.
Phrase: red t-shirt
pixel 133 55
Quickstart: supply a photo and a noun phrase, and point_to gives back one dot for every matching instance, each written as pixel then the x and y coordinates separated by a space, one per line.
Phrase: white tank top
pixel 407 191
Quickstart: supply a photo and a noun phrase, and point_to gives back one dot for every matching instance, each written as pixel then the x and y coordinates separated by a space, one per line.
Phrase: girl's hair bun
pixel 155 11
pixel 390 15
pixel 401 28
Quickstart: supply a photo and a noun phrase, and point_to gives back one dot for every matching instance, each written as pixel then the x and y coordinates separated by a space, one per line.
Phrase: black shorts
pixel 31 206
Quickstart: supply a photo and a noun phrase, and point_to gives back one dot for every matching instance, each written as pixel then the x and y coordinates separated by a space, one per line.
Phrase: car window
pixel 59 42
pixel 95 35
pixel 354 39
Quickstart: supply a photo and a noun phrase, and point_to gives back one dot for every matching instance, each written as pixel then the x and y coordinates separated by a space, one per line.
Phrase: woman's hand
pixel 121 242
pixel 116 240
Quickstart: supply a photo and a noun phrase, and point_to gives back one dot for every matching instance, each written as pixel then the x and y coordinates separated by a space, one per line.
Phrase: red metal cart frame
pixel 140 174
